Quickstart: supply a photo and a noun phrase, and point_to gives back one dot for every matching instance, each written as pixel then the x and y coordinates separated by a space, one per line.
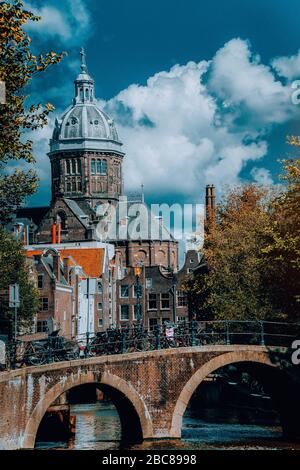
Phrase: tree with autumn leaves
pixel 252 255
pixel 18 66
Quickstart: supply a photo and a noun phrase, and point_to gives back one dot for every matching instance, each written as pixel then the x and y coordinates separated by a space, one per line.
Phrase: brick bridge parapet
pixel 158 385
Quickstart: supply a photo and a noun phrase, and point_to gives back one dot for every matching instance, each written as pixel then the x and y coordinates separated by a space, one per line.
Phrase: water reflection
pixel 98 428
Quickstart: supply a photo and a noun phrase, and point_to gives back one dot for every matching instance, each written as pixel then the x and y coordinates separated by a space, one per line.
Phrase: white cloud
pixel 199 123
pixel 248 86
pixel 288 67
pixel 40 150
pixel 70 23
pixel 262 176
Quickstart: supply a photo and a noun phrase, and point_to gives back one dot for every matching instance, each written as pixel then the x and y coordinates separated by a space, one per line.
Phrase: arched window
pixel 73 166
pixel 63 219
pixel 104 167
pixel 81 94
pixel 93 167
pixel 98 167
pixel 68 167
pixel 87 94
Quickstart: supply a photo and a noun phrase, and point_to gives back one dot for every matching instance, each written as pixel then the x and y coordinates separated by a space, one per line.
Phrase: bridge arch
pixel 109 381
pixel 209 367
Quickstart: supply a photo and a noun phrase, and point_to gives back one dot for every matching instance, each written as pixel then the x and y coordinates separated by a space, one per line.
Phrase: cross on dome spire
pixel 84 84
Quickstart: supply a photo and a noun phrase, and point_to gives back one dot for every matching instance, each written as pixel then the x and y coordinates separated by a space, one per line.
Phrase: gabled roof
pixel 77 211
pixel 48 263
pixel 91 260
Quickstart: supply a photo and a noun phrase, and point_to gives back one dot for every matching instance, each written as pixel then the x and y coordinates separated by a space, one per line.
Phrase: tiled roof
pixel 90 259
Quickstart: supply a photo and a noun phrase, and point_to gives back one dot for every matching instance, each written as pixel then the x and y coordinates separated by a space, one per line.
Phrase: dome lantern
pixel 84 84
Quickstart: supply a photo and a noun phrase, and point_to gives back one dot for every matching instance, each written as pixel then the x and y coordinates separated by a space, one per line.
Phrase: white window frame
pixel 124 296
pixel 125 319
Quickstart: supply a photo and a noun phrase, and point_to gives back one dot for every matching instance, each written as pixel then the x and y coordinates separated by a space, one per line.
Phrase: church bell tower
pixel 85 151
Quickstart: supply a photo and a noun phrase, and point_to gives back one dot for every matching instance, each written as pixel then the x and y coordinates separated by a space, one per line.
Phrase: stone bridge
pixel 150 390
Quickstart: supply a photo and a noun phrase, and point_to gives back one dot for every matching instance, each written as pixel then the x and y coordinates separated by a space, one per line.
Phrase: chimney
pixel 67 269
pixel 210 203
pixel 53 233
pixel 24 237
pixel 56 266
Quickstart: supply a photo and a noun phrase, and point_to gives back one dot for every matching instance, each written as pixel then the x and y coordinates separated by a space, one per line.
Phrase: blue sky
pixel 212 78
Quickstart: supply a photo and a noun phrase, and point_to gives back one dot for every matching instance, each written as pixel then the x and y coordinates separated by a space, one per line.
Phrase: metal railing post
pixel 50 354
pixel 262 332
pixel 123 339
pixel 193 333
pixel 157 334
pixel 227 333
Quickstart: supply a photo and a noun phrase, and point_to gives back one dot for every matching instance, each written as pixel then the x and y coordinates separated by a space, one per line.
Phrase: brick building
pixel 76 287
pixel 161 294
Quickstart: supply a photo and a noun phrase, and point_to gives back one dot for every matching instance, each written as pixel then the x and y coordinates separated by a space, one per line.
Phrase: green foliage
pixel 17 185
pixel 283 251
pixel 17 68
pixel 252 253
pixel 14 269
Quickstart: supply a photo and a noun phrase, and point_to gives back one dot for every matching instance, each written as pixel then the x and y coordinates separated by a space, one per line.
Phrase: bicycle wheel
pixel 36 358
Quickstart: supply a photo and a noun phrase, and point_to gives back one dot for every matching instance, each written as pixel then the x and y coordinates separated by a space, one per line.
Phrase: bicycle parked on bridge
pixel 137 338
pixel 53 348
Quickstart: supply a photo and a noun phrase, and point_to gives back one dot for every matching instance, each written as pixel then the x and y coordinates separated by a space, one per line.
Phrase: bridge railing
pixel 138 338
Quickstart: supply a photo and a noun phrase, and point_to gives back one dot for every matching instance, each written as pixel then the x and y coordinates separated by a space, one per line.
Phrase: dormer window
pixel 96 123
pixel 73 121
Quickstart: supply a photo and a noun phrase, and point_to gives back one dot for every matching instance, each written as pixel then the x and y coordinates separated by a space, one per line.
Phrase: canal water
pixel 98 428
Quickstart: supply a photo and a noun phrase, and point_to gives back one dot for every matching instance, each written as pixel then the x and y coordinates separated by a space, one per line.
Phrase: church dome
pixel 84 125
pixel 85 121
